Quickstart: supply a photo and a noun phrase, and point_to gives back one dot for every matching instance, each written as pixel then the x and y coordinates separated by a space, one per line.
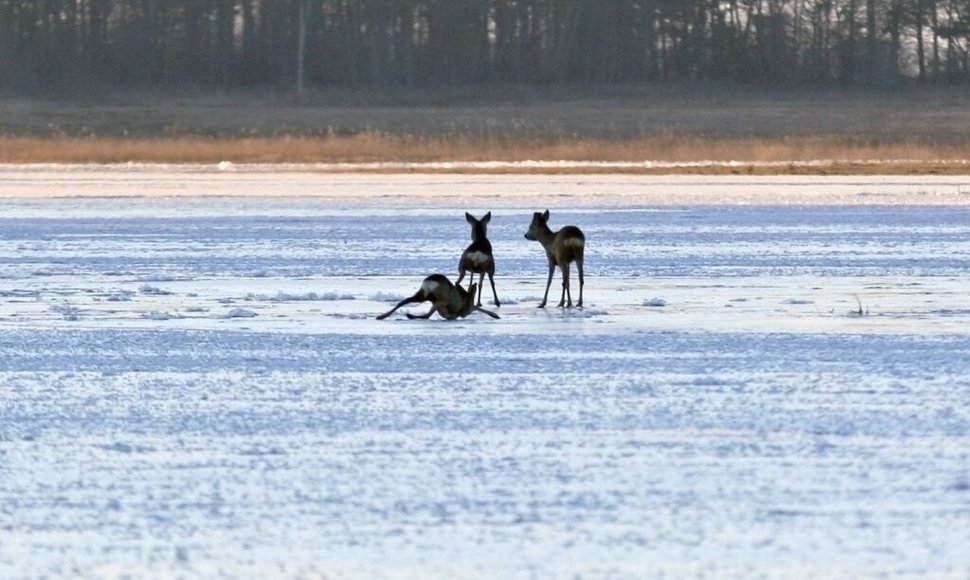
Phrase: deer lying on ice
pixel 562 247
pixel 477 257
pixel 449 300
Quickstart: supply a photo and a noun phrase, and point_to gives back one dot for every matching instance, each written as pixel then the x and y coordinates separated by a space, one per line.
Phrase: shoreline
pixel 658 168
pixel 489 190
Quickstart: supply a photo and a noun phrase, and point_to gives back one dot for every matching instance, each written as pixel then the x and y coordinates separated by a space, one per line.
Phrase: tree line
pixel 431 43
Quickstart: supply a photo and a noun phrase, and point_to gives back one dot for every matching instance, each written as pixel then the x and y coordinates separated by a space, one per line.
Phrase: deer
pixel 477 257
pixel 449 300
pixel 562 247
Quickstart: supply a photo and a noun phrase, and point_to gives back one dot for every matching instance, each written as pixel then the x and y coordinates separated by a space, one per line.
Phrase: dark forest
pixel 432 43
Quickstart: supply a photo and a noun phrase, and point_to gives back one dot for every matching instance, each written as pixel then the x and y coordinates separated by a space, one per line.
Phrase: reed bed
pixel 763 154
pixel 681 128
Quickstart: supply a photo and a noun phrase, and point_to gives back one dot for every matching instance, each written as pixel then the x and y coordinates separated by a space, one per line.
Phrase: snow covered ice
pixel 771 378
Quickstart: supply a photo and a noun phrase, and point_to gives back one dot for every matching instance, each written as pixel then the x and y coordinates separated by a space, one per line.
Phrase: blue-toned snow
pixel 196 386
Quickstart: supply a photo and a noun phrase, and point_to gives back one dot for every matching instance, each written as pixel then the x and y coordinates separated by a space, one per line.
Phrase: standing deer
pixel 562 247
pixel 477 257
pixel 449 300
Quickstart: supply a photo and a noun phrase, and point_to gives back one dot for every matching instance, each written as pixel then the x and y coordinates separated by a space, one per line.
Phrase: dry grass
pixel 904 131
pixel 764 155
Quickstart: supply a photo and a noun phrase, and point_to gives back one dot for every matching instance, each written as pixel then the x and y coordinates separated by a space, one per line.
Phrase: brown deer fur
pixel 562 247
pixel 448 300
pixel 477 257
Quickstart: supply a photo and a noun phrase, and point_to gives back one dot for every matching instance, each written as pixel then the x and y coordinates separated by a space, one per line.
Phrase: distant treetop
pixel 429 43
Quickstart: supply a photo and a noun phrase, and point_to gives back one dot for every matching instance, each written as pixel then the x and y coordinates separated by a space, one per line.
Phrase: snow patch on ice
pixel 153 290
pixel 655 302
pixel 68 311
pixel 336 296
pixel 353 316
pixel 238 313
pixel 286 297
pixel 386 297
pixel 126 448
pixel 708 381
pixel 259 451
pixel 581 312
pixel 18 293
pixel 159 315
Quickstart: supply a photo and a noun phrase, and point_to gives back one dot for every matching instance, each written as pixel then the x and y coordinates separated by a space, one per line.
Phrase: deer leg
pixel 552 270
pixel 579 266
pixel 418 297
pixel 481 280
pixel 421 316
pixel 492 314
pixel 565 287
pixel 491 280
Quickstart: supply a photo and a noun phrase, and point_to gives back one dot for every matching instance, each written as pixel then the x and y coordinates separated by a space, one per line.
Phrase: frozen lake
pixel 770 378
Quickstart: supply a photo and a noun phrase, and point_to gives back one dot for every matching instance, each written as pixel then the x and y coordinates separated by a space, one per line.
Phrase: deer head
pixel 466 299
pixel 539 228
pixel 479 226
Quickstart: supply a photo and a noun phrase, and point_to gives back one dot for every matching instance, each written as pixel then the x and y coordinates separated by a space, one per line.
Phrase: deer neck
pixel 545 236
pixel 478 232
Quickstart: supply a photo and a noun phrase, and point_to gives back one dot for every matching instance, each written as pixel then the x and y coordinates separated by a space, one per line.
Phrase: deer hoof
pixel 541 305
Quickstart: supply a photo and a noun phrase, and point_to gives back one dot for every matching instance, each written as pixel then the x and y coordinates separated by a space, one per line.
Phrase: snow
pixel 771 378
pixel 183 190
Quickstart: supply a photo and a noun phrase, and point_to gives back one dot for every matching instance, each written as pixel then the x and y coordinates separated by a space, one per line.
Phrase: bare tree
pixel 384 43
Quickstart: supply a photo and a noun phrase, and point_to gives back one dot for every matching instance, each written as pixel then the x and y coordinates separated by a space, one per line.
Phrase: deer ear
pixel 469 218
pixel 486 218
pixel 545 216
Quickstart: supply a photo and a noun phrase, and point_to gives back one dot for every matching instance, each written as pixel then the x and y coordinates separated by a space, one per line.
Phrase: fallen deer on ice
pixel 477 257
pixel 448 300
pixel 562 247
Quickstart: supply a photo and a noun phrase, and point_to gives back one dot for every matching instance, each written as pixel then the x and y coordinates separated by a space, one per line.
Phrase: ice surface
pixel 771 378
pixel 281 189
